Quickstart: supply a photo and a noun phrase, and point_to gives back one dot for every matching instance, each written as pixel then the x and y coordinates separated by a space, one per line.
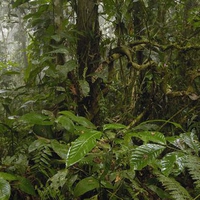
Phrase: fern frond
pixel 42 159
pixel 175 189
pixel 193 165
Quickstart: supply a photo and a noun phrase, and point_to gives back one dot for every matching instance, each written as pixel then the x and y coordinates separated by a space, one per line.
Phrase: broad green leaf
pixel 147 136
pixel 35 118
pixel 85 185
pixel 144 155
pixel 26 186
pixel 80 120
pixel 81 146
pixel 5 189
pixel 66 123
pixel 171 163
pixel 7 176
pixel 84 122
pixel 114 126
pixel 60 149
pixel 69 114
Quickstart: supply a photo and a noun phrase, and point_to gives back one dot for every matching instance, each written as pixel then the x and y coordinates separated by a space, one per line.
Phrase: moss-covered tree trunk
pixel 88 56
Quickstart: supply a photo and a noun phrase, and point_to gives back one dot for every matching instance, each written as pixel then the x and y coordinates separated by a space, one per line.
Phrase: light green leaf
pixel 66 123
pixel 60 149
pixel 85 88
pixel 7 176
pixel 192 141
pixel 144 155
pixel 35 118
pixel 147 136
pixel 81 146
pixel 5 189
pixel 60 50
pixel 114 126
pixel 37 144
pixel 170 162
pixel 58 180
pixel 56 37
pixel 85 185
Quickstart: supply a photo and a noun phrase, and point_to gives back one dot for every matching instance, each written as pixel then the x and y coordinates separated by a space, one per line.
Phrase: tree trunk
pixel 88 55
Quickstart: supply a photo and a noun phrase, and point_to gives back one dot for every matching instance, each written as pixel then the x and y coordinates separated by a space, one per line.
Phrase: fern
pixel 41 156
pixel 193 165
pixel 145 154
pixel 175 189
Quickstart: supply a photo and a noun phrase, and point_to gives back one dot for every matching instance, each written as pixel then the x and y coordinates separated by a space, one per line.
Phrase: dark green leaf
pixel 60 149
pixel 35 118
pixel 85 185
pixel 80 120
pixel 26 186
pixel 66 123
pixel 17 3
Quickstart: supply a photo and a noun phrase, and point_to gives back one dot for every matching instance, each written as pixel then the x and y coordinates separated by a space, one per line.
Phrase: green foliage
pixel 140 139
pixel 117 162
pixel 5 189
pixel 20 182
pixel 192 164
pixel 175 189
pixel 85 185
pixel 81 146
pixel 144 155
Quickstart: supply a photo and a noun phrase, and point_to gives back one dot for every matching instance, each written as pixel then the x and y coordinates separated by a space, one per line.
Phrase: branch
pixel 143 66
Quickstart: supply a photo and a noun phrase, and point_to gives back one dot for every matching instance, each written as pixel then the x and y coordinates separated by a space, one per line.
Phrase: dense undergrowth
pixel 68 157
